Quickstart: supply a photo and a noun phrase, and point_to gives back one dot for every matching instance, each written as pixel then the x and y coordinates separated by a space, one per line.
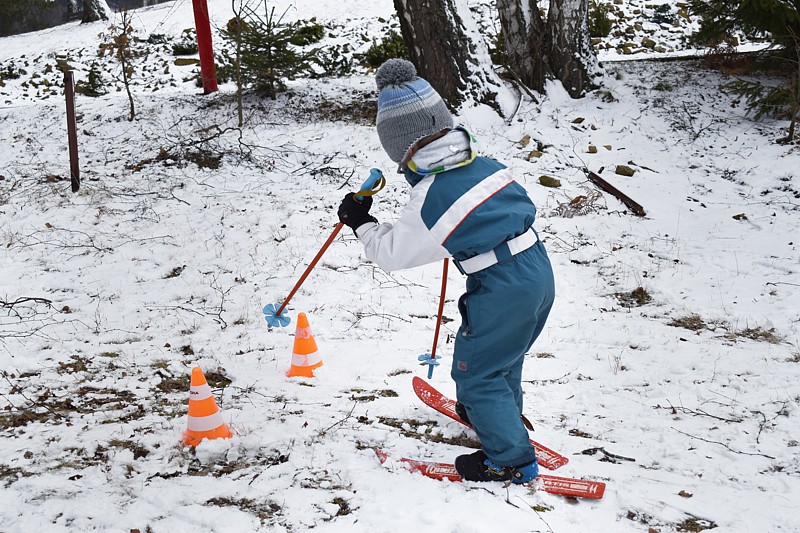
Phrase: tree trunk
pixel 126 81
pixel 524 34
pixel 571 55
pixel 94 10
pixel 447 50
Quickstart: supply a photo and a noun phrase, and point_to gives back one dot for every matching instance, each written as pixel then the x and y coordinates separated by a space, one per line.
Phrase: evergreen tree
pixel 266 57
pixel 17 15
pixel 779 22
pixel 94 84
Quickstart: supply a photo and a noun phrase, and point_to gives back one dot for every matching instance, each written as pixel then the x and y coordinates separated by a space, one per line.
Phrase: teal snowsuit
pixel 462 207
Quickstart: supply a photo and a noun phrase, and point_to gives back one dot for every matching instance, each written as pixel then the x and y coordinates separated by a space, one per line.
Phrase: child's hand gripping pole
pixel 276 317
pixel 430 358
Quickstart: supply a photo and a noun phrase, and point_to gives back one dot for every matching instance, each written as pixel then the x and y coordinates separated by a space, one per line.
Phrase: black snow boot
pixel 477 467
pixel 461 411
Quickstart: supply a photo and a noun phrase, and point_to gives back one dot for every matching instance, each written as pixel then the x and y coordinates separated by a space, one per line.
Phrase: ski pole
pixel 430 359
pixel 273 316
pixel 373 184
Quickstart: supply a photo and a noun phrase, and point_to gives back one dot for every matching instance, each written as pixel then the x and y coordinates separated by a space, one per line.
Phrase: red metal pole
pixel 441 309
pixel 208 70
pixel 72 131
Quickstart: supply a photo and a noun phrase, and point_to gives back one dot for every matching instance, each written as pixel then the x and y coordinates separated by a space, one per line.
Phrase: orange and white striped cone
pixel 205 419
pixel 304 356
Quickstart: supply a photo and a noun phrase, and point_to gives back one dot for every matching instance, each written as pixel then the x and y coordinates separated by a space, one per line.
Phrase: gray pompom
pixel 395 72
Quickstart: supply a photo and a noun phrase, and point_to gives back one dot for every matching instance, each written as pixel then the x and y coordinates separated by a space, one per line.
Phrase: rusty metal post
pixel 208 70
pixel 72 131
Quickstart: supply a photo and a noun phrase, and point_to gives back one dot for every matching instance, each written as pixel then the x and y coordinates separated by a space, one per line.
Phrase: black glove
pixel 354 212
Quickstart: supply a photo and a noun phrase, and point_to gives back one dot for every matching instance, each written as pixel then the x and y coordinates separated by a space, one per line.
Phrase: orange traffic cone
pixel 205 420
pixel 304 357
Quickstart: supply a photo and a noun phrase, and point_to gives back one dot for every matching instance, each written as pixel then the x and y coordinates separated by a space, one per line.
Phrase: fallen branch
pixel 781 412
pixel 26 299
pixel 33 403
pixel 610 457
pixel 727 447
pixel 637 209
pixel 698 412
pixel 340 422
pixel 552 380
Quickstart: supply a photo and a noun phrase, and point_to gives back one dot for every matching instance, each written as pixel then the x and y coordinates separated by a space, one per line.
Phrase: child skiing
pixel 469 208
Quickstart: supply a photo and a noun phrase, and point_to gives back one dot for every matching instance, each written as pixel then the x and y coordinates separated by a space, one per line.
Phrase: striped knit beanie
pixel 408 108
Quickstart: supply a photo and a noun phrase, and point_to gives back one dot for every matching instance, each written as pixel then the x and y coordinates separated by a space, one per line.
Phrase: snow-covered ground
pixel 674 339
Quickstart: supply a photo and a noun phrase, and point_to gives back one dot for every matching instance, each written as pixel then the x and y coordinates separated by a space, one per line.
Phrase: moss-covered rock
pixel 549 181
pixel 624 170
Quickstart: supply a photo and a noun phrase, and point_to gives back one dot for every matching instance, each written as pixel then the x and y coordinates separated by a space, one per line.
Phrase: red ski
pixel 432 397
pixel 563 486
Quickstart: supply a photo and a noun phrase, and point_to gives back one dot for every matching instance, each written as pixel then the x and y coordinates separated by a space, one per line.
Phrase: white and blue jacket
pixel 461 205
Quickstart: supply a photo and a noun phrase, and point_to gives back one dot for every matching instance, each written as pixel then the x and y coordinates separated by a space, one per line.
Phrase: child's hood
pixel 454 149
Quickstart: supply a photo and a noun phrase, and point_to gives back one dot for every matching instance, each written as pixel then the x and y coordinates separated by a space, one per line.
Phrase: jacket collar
pixel 450 151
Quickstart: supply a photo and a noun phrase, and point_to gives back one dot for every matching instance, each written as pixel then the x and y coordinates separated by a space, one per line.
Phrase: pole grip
pixel 374 183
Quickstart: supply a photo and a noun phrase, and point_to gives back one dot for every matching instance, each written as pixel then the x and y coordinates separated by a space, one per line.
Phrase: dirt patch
pixel 371 396
pixel 204 159
pixel 139 451
pixel 178 384
pixel 636 298
pixel 8 474
pixel 359 111
pixel 412 429
pixel 175 272
pixel 18 418
pixel 218 469
pixel 583 204
pixel 76 364
pixel 264 511
pixel 580 433
pixel 170 158
pixel 344 507
pixel 757 334
pixel 690 322
pixel 217 379
pixel 695 524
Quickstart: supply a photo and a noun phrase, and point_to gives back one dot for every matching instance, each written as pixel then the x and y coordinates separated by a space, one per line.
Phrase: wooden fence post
pixel 72 131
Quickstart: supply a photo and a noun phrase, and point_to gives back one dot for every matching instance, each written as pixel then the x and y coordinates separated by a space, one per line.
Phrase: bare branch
pixel 726 446
pixel 697 412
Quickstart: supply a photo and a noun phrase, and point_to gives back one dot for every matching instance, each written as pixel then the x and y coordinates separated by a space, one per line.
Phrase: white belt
pixel 485 260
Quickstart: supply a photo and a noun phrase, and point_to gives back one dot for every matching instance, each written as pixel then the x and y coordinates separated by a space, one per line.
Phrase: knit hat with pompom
pixel 408 108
